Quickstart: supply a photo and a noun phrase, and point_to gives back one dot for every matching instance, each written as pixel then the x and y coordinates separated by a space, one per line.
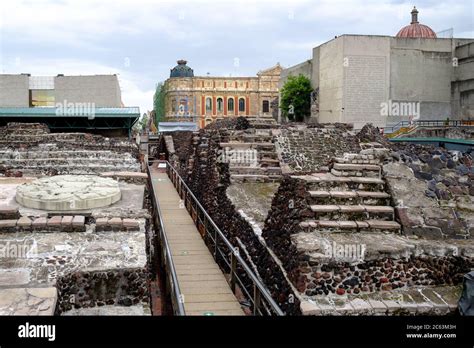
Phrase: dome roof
pixel 415 29
pixel 182 70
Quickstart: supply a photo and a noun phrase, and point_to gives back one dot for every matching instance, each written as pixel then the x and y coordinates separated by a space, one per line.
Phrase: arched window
pixel 266 106
pixel 220 105
pixel 230 105
pixel 208 104
pixel 173 105
pixel 241 105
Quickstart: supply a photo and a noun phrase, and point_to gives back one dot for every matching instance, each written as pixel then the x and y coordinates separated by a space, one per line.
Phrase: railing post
pixel 233 268
pixel 215 244
pixel 256 299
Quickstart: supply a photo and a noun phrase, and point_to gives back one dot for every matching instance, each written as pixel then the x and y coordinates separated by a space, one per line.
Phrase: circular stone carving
pixel 68 192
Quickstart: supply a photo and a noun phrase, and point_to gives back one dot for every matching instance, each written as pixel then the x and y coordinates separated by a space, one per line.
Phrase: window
pixel 173 105
pixel 241 104
pixel 266 106
pixel 230 105
pixel 42 97
pixel 220 105
pixel 208 104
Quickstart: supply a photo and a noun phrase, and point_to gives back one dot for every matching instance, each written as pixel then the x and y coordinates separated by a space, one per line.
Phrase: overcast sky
pixel 140 40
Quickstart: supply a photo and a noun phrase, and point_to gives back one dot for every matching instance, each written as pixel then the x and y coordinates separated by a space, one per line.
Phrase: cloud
pixel 96 36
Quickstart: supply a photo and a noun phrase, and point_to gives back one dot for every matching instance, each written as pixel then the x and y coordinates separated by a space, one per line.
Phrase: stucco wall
pixel 305 69
pixel 331 81
pixel 14 91
pixel 421 71
pixel 103 90
pixel 462 87
pixel 366 77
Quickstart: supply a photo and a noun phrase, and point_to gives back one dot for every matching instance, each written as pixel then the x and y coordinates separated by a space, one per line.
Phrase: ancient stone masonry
pixel 32 150
pixel 433 190
pixel 351 226
pixel 251 155
pixel 125 287
pixel 71 244
pixel 209 178
pixel 307 150
pixel 335 233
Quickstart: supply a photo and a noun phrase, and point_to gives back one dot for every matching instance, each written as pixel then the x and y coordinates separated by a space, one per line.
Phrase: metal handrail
pixel 176 295
pixel 259 289
pixel 431 123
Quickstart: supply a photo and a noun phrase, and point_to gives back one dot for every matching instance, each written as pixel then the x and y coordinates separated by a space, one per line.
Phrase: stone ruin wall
pixel 209 181
pixel 297 146
pixel 30 149
pixel 315 277
pixel 450 193
pixel 124 287
pixel 433 191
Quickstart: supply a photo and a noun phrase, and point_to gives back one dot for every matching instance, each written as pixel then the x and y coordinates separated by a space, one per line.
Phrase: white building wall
pixel 331 81
pixel 366 79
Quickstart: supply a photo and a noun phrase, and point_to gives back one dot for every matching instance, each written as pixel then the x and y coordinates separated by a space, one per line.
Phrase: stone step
pixel 67 161
pixel 249 145
pixel 250 138
pixel 270 161
pixel 361 212
pixel 349 197
pixel 356 167
pixel 350 226
pixel 352 158
pixel 9 154
pixel 344 183
pixel 254 178
pixel 254 170
pixel 77 169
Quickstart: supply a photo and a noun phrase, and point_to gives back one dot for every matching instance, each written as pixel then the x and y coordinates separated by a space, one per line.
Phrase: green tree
pixel 296 92
pixel 159 102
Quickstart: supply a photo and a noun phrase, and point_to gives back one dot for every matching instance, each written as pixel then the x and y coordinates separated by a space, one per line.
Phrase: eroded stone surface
pixel 28 301
pixel 68 192
pixel 138 309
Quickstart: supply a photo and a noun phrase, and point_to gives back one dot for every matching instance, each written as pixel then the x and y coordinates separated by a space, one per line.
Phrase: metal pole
pixel 256 299
pixel 233 269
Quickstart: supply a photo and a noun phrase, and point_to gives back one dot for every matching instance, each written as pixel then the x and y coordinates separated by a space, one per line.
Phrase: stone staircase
pixel 262 122
pixel 36 161
pixel 251 155
pixel 350 198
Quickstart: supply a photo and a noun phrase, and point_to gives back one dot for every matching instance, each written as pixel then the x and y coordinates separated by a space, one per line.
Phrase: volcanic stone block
pixel 115 224
pixel 39 224
pixel 78 223
pixel 54 223
pixel 8 225
pixel 66 223
pixel 131 224
pixel 100 224
pixel 9 213
pixel 24 224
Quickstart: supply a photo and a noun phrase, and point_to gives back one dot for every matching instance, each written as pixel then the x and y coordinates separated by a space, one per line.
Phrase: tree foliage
pixel 296 92
pixel 159 102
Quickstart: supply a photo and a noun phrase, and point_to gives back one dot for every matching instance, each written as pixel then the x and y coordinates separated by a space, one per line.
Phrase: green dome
pixel 182 70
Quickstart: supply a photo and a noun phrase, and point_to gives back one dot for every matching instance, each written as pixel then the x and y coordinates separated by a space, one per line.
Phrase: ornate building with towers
pixel 204 99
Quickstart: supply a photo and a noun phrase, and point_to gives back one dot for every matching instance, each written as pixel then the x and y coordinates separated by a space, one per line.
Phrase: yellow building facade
pixel 206 99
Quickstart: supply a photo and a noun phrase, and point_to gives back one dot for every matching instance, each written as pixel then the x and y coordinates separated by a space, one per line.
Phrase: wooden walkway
pixel 202 283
